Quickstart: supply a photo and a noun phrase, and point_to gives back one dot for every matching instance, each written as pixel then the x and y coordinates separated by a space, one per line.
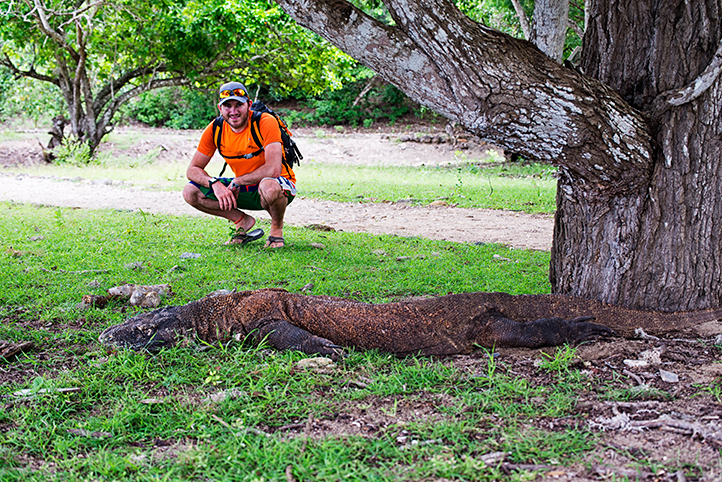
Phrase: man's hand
pixel 226 197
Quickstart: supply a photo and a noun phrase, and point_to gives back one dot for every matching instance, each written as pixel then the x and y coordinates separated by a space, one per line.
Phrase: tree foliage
pixel 102 53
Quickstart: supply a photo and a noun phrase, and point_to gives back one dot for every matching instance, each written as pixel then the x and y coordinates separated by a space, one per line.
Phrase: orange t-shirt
pixel 238 144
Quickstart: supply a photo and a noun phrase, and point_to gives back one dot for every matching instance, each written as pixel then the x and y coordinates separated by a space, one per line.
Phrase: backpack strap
pixel 217 132
pixel 256 133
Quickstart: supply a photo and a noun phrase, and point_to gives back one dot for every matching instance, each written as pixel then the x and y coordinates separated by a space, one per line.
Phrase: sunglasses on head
pixel 234 92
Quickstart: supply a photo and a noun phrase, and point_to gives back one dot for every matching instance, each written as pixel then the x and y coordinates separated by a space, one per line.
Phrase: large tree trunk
pixel 639 190
pixel 667 238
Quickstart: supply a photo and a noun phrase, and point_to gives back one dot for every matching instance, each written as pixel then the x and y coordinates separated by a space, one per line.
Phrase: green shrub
pixel 72 152
pixel 29 99
pixel 174 107
pixel 380 103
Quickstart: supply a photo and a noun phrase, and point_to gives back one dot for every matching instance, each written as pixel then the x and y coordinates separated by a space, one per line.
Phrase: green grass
pixel 41 250
pixel 528 188
pixel 418 418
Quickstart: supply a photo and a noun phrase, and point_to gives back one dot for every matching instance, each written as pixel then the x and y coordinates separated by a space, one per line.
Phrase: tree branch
pixel 500 88
pixel 523 19
pixel 82 10
pixel 700 84
pixel 7 62
pixel 113 105
pixel 44 26
pixel 577 29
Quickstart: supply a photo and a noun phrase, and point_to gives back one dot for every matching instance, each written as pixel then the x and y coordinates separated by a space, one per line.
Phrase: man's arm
pixel 196 172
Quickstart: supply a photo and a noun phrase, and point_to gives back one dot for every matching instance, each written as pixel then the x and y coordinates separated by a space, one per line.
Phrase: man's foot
pixel 244 238
pixel 275 242
pixel 241 228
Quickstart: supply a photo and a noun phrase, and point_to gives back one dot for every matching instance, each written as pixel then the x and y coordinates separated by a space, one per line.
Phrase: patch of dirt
pixel 327 146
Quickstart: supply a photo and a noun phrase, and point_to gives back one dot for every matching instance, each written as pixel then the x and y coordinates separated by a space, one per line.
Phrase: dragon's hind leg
pixel 501 331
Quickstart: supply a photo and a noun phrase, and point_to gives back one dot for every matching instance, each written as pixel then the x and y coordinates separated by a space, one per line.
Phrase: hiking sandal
pixel 275 239
pixel 245 238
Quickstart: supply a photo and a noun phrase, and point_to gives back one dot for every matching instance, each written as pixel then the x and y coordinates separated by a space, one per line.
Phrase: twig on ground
pixel 635 377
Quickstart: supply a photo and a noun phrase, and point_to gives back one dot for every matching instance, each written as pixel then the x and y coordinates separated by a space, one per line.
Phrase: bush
pixel 384 103
pixel 29 99
pixel 174 107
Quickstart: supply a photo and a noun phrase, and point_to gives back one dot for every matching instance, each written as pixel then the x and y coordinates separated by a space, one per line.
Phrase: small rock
pixel 150 299
pixel 668 377
pixel 438 203
pixel 103 182
pixel 94 284
pixel 636 363
pixel 318 365
pixel 500 258
pixel 127 290
pixel 307 287
pixel 318 245
pixel 36 238
pixel 134 265
pixel 381 252
pixel 653 357
pixel 190 255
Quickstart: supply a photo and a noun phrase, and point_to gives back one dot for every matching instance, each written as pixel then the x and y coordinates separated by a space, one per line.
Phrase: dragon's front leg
pixel 282 335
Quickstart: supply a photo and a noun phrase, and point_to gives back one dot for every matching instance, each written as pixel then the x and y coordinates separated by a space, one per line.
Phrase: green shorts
pixel 248 196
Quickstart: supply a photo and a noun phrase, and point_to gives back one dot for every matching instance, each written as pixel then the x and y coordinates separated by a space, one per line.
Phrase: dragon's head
pixel 151 331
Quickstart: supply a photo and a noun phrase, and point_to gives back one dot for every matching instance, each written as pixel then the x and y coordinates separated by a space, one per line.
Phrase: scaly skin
pixel 453 324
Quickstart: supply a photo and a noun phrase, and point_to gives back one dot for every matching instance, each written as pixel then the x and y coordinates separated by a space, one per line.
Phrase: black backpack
pixel 291 154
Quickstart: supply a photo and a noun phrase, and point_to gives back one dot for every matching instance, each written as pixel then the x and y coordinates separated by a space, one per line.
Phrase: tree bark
pixel 640 184
pixel 675 263
pixel 551 18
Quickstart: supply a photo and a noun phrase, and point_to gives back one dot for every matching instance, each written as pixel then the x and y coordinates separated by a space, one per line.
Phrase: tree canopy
pixel 102 53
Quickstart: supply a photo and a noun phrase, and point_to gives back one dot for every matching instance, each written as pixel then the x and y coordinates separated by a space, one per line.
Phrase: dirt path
pixel 517 230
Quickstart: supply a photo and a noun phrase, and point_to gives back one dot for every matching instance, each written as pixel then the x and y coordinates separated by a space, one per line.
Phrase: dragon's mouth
pixel 148 331
pixel 116 336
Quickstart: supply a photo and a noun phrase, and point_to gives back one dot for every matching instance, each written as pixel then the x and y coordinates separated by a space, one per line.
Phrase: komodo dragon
pixel 452 324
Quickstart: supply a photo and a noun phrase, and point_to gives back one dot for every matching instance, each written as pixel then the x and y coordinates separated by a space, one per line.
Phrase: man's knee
pixel 270 190
pixel 191 194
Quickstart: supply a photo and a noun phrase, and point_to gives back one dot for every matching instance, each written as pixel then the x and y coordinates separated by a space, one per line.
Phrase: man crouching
pixel 262 180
